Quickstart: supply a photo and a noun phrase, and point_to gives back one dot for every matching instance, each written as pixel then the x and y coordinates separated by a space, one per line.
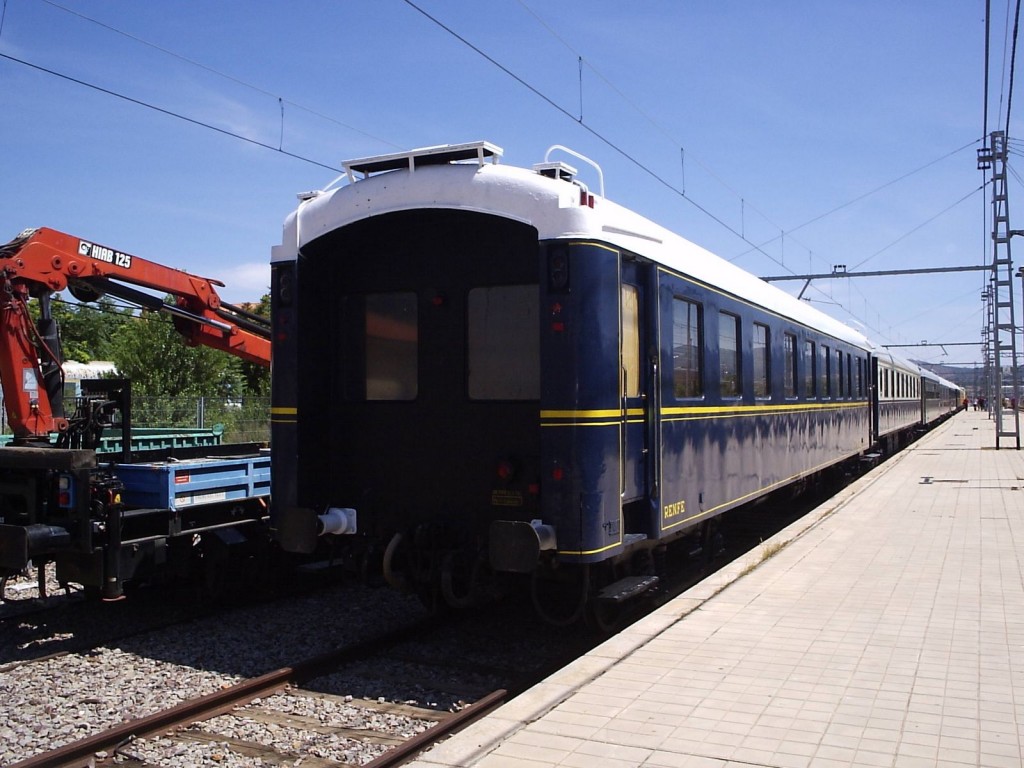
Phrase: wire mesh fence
pixel 240 420
pixel 235 420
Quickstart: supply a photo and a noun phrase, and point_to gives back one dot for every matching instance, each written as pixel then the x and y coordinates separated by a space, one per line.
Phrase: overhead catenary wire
pixel 581 62
pixel 741 234
pixel 280 150
pixel 621 151
pixel 923 224
pixel 219 73
pixel 869 193
pixel 744 204
pixel 1013 60
pixel 168 112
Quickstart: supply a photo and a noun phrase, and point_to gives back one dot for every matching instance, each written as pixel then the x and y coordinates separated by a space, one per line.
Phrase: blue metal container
pixel 177 485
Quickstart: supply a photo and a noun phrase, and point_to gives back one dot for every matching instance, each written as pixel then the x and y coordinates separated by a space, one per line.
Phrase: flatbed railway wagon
pixel 106 517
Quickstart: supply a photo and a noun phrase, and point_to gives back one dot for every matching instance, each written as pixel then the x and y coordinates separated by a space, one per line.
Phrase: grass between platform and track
pixel 768 549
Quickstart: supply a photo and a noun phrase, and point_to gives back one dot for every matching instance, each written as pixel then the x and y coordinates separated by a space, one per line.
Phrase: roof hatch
pixel 412 159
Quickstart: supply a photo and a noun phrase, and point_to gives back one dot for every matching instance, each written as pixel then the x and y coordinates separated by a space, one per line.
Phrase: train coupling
pixel 515 545
pixel 337 521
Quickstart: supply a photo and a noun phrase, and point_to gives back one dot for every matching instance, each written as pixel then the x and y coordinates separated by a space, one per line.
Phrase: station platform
pixel 885 628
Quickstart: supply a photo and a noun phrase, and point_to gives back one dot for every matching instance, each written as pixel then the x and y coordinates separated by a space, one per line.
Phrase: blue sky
pixel 736 124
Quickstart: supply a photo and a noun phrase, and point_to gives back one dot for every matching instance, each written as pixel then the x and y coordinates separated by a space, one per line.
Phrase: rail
pixel 82 752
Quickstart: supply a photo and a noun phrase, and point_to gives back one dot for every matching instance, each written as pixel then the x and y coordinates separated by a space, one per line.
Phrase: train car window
pixel 811 371
pixel 789 357
pixel 392 346
pixel 504 343
pixel 860 377
pixel 762 361
pixel 840 373
pixel 826 372
pixel 729 379
pixel 687 343
pixel 631 340
pixel 849 375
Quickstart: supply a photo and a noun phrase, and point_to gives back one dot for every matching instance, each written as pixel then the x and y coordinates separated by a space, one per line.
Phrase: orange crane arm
pixel 43 261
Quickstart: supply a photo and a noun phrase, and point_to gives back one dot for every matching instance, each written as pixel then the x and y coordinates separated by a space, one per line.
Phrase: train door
pixel 875 392
pixel 635 382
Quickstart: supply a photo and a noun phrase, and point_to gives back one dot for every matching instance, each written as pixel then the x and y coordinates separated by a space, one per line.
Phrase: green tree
pixel 257 377
pixel 151 353
pixel 86 330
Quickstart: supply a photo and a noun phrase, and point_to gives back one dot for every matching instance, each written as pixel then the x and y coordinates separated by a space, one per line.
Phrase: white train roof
pixel 896 361
pixel 435 178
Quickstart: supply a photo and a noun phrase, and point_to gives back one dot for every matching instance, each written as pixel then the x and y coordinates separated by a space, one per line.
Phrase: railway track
pixel 236 703
pixel 286 738
pixel 398 673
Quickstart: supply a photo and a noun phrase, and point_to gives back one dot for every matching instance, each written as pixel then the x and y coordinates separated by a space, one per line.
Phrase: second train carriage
pixel 483 367
pixel 939 398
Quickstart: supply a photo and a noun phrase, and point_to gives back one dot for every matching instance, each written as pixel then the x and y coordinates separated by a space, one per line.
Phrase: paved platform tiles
pixel 886 628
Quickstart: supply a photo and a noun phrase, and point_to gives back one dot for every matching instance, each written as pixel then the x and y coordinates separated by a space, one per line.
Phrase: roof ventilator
pixel 565 172
pixel 480 151
pixel 556 170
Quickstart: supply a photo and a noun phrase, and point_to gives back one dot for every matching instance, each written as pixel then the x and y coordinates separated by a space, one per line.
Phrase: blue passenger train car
pixel 481 369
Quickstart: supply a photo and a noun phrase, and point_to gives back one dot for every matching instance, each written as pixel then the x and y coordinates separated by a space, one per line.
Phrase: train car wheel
pixel 392 574
pixel 561 601
pixel 461 574
pixel 605 616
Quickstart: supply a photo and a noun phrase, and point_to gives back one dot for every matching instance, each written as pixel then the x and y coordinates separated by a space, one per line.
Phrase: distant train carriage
pixel 940 397
pixel 480 368
pixel 897 405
